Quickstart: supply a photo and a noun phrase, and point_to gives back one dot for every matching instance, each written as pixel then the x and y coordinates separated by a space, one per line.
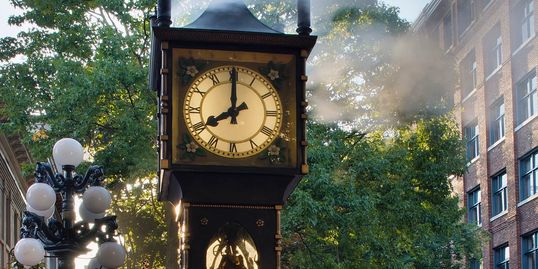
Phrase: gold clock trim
pixel 276 128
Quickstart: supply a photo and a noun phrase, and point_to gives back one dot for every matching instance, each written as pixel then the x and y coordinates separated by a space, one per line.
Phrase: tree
pixel 83 74
pixel 380 201
pixel 378 194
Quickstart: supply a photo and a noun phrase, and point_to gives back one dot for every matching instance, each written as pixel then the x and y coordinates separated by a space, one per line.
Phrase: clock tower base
pixel 230 236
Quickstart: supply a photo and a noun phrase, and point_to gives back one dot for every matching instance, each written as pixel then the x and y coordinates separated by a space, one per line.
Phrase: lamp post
pixel 64 238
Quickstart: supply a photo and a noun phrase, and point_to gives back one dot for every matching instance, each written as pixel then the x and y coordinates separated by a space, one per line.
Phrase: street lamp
pixel 64 238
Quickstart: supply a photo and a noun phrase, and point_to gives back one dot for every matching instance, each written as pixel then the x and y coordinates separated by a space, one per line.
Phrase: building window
pixel 501 257
pixel 525 15
pixel 493 50
pixel 529 169
pixel 499 194
pixel 530 251
pixel 2 216
pixel 474 205
pixel 471 137
pixel 7 223
pixel 527 101
pixel 447 31
pixel 16 227
pixel 465 15
pixel 468 73
pixel 475 264
pixel 496 115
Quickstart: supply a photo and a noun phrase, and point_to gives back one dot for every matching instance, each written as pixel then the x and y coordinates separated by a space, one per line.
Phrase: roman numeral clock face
pixel 232 111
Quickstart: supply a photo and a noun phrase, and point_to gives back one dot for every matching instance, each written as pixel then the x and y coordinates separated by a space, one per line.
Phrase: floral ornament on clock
pixel 275 73
pixel 189 69
pixel 275 153
pixel 189 149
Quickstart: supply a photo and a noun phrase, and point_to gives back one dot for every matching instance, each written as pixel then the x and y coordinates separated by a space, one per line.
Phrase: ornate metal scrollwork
pixel 65 238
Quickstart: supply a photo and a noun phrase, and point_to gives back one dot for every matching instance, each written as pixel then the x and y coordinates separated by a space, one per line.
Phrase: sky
pixel 409 10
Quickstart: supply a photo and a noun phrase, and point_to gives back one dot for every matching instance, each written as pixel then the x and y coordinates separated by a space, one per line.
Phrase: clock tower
pixel 232 121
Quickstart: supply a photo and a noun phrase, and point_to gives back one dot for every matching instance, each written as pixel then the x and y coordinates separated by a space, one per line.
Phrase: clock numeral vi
pixel 214 78
pixel 233 147
pixel 270 113
pixel 267 131
pixel 198 127
pixel 213 142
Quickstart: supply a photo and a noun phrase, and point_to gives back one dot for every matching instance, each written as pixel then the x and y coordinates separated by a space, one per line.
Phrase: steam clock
pixel 232 143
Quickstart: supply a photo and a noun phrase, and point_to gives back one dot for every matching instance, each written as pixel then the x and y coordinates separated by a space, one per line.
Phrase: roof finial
pixel 164 13
pixel 303 17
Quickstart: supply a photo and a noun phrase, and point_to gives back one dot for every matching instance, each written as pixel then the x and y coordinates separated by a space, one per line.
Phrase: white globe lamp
pixel 111 255
pixel 67 151
pixel 40 196
pixel 29 251
pixel 88 216
pixel 45 213
pixel 94 264
pixel 96 199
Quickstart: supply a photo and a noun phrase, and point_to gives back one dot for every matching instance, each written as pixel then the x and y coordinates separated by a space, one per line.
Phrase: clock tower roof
pixel 229 15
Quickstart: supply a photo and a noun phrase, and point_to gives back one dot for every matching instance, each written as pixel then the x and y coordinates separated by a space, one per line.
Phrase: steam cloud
pixel 362 75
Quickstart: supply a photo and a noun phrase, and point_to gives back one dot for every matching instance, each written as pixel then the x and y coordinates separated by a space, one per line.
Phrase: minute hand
pixel 233 97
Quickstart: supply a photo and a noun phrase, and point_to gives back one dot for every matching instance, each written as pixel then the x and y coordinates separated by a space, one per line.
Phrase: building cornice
pixel 427 11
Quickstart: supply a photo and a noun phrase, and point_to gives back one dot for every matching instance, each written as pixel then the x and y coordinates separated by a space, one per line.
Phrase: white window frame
pixel 526 251
pixel 472 140
pixel 499 192
pixel 474 208
pixel 527 22
pixel 501 257
pixel 527 97
pixel 527 179
pixel 497 123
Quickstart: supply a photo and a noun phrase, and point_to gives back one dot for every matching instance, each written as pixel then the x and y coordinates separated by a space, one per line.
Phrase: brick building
pixel 494 44
pixel 12 188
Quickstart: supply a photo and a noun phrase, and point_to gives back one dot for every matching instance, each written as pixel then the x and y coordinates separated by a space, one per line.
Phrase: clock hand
pixel 233 97
pixel 214 121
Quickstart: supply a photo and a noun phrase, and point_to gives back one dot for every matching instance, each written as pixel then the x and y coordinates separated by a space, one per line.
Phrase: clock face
pixel 232 111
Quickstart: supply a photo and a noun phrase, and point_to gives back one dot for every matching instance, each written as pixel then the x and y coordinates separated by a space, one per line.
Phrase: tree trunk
pixel 173 237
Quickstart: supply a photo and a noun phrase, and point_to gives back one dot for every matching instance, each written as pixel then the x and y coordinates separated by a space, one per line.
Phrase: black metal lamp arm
pixel 86 234
pixel 43 174
pixel 93 177
pixel 34 226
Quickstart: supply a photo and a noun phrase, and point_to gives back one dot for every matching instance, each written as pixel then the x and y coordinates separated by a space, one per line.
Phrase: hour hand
pixel 214 121
pixel 234 111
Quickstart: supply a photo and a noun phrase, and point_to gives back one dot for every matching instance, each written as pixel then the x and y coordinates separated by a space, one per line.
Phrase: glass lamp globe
pixel 45 213
pixel 88 216
pixel 40 196
pixel 96 199
pixel 67 151
pixel 29 251
pixel 94 264
pixel 111 255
